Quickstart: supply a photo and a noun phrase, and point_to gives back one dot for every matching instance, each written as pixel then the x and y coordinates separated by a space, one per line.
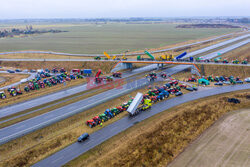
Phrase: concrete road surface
pixel 69 153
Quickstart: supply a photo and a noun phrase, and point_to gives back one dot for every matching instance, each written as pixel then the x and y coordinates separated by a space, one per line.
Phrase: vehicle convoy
pixel 138 104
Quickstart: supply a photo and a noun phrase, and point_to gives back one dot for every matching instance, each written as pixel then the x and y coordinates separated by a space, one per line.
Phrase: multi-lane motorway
pixel 38 122
pixel 27 126
pixel 61 94
pixel 69 153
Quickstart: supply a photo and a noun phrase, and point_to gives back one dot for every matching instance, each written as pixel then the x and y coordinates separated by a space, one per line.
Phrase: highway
pixel 132 54
pixel 8 110
pixel 216 46
pixel 73 151
pixel 38 122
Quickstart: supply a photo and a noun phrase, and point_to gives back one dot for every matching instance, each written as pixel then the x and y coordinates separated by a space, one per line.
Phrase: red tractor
pixel 192 79
pixel 153 99
pixel 163 75
pixel 91 123
pixel 183 86
pixel 174 82
pixel 117 74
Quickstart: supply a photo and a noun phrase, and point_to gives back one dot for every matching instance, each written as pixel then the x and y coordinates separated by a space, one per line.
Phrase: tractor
pixel 98 79
pixel 174 82
pixel 244 62
pixel 117 74
pixel 115 111
pixel 163 75
pixel 108 113
pixel 91 123
pixel 192 79
pixel 103 117
pixel 235 61
pixel 26 89
pixel 2 95
pixel 210 78
pixel 97 120
pixel 62 70
pixel 225 61
pixel 54 70
pixel 109 79
pixel 97 58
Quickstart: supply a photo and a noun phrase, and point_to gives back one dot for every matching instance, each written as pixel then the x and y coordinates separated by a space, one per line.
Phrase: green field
pixel 111 37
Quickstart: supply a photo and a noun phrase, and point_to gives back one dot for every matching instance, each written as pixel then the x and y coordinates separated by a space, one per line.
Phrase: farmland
pixel 111 37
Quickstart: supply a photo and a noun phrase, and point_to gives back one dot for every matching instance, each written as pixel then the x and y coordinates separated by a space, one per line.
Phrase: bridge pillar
pixel 195 71
pixel 122 66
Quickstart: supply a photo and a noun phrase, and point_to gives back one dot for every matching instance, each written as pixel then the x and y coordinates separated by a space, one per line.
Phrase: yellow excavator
pixel 108 56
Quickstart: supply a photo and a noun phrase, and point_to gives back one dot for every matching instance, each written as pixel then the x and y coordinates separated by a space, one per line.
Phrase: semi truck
pixel 135 103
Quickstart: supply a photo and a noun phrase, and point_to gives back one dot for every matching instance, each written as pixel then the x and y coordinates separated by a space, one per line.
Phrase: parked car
pixel 11 71
pixel 178 93
pixel 189 89
pixel 83 137
pixel 33 71
pixel 233 100
pixel 195 88
pixel 218 83
pixel 17 70
pixel 239 82
pixel 247 79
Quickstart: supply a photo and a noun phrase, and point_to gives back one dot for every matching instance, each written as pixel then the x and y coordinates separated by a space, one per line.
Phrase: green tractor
pixel 210 78
pixel 103 117
pixel 150 93
pixel 225 61
pixel 97 58
pixel 109 79
pixel 216 60
pixel 114 111
pixel 36 86
pixel 235 61
pixel 244 62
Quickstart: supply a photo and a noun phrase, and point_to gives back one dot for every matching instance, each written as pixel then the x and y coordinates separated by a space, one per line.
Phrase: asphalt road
pixel 31 76
pixel 73 151
pixel 93 55
pixel 12 109
pixel 216 46
pixel 35 123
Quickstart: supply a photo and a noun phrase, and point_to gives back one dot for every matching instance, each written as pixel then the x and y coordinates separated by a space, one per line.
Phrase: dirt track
pixel 226 143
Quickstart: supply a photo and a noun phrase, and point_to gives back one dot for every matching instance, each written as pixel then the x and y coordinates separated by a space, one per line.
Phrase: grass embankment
pixel 41 143
pixel 240 53
pixel 104 66
pixel 217 70
pixel 12 78
pixel 159 139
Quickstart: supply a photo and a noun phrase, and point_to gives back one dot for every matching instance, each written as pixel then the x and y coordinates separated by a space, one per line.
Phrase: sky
pixel 25 9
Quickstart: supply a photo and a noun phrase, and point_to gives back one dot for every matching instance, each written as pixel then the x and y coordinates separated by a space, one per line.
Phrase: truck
pixel 181 56
pixel 132 109
pixel 151 57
